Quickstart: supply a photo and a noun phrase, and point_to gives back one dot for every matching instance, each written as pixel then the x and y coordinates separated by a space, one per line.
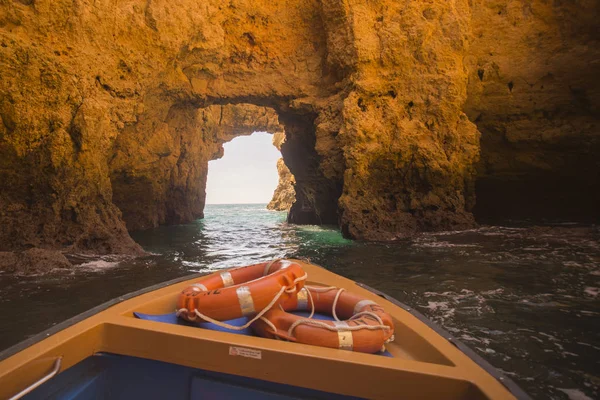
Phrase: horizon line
pixel 225 204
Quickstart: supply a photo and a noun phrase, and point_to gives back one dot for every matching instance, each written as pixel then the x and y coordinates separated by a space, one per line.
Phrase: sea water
pixel 525 298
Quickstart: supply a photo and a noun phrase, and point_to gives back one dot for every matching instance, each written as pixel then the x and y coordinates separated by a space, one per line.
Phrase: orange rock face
pixel 110 113
pixel 285 195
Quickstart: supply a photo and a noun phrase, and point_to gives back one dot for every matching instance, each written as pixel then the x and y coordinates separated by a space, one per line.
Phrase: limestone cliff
pixel 409 150
pixel 284 195
pixel 103 105
pixel 110 112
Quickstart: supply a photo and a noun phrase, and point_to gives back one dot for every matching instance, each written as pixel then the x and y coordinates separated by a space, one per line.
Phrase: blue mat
pixel 171 318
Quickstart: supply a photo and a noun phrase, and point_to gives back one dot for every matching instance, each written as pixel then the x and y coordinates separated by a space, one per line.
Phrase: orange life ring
pixel 241 291
pixel 365 327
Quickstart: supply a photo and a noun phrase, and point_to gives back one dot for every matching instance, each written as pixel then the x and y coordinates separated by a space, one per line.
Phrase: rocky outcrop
pixel 33 261
pixel 110 113
pixel 284 195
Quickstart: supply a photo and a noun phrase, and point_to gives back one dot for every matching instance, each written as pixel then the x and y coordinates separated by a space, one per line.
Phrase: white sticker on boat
pixel 245 352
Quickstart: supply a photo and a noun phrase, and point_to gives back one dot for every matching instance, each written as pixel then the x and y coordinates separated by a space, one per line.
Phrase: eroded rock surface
pixel 409 150
pixel 110 112
pixel 33 261
pixel 534 94
pixel 284 195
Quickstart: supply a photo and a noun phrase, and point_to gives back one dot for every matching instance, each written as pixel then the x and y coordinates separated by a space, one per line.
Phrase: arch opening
pixel 247 172
pixel 160 178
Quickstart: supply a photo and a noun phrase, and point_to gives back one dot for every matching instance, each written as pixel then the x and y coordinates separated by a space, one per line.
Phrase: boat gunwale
pixel 506 382
pixel 512 387
pixel 14 349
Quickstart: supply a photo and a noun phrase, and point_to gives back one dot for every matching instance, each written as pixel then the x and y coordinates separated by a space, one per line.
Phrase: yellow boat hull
pixel 425 365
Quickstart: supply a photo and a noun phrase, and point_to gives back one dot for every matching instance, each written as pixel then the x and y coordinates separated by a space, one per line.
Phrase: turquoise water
pixel 525 298
pixel 232 235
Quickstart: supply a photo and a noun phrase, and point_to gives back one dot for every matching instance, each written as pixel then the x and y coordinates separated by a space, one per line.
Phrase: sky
pixel 247 173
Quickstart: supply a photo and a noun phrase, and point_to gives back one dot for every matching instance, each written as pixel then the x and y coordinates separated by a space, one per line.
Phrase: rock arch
pixel 123 105
pixel 104 105
pixel 160 178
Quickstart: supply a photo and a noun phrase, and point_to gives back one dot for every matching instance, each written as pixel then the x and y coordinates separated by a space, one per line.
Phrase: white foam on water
pixel 192 264
pixel 490 351
pixel 466 300
pixel 469 338
pixel 571 264
pixel 574 394
pixel 98 265
pixel 312 228
pixel 560 346
pixel 434 305
pixel 492 332
pixel 495 291
pixel 531 248
pixel 509 373
pixel 442 307
pixel 548 336
pixel 448 233
pixel 592 291
pixel 443 245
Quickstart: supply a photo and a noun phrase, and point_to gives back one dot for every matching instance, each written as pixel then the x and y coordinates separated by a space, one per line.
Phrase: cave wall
pixel 94 93
pixel 534 94
pixel 111 112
